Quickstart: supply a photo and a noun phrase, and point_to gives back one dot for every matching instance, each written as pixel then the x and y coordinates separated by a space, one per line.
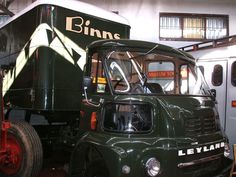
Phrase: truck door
pixel 215 73
pixel 231 101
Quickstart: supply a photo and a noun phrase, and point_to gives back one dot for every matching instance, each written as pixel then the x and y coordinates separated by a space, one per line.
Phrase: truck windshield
pixel 153 73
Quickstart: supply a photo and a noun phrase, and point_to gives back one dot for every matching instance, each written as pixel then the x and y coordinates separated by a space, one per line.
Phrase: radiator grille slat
pixel 200 125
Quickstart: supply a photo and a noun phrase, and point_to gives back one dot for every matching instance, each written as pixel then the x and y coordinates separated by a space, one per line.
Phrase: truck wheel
pixel 24 151
pixel 97 169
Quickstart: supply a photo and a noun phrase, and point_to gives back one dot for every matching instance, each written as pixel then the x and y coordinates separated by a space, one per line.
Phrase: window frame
pixel 217 75
pixel 233 73
pixel 181 16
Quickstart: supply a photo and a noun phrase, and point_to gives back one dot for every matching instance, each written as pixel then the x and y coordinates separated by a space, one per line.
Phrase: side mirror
pixel 87 83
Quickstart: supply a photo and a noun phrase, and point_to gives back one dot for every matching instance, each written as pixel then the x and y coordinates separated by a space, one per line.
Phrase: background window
pixel 170 27
pixel 216 27
pixel 192 27
pixel 233 74
pixel 217 75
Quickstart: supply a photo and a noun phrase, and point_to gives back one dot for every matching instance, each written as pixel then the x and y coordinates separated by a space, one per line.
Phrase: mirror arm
pixel 89 102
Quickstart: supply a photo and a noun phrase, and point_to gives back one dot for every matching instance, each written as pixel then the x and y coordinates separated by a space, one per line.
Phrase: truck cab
pixel 147 111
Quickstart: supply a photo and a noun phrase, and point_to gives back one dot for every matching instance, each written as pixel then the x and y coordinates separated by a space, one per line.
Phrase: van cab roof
pixel 76 6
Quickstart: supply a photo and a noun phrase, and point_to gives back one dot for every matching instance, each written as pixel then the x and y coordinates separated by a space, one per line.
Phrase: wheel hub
pixel 12 160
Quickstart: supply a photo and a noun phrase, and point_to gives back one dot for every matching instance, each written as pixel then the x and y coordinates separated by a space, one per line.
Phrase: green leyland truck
pixel 120 108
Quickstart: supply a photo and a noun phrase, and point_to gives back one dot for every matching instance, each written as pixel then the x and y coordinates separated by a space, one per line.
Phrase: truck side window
pixel 97 74
pixel 127 117
pixel 233 74
pixel 162 72
pixel 217 75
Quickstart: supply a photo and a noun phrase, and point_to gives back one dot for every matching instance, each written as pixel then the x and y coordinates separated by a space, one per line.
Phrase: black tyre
pixel 97 169
pixel 25 147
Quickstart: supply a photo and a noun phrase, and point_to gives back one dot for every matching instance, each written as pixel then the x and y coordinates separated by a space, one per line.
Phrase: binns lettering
pixel 79 25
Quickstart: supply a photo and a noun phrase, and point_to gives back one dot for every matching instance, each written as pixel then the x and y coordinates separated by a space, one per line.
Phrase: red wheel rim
pixel 13 158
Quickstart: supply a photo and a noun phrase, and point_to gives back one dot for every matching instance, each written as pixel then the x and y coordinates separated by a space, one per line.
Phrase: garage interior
pixel 204 29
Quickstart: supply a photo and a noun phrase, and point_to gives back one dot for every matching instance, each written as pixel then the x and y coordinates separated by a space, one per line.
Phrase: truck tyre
pixel 24 146
pixel 97 169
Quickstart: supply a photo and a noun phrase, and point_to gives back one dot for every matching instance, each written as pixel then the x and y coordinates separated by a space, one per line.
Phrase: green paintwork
pixel 162 142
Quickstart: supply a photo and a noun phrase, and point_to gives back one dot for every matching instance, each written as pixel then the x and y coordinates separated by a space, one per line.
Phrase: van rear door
pixel 231 101
pixel 220 74
pixel 215 74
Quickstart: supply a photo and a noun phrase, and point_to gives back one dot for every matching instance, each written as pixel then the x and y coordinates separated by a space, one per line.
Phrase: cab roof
pixel 140 44
pixel 75 6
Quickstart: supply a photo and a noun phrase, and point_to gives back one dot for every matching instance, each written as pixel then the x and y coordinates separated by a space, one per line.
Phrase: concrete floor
pixel 54 167
pixel 53 172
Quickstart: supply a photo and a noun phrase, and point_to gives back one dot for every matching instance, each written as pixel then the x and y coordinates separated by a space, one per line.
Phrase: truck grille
pixel 200 123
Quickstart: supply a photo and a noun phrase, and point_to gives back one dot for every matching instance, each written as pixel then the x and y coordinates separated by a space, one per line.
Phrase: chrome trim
pixel 198 161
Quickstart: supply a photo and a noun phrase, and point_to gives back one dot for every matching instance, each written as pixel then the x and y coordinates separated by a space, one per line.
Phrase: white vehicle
pixel 217 59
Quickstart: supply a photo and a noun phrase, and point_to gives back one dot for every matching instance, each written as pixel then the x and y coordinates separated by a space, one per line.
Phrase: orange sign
pixel 161 74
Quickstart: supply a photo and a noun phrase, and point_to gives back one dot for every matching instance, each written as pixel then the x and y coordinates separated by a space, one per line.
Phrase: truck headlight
pixel 227 150
pixel 152 167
